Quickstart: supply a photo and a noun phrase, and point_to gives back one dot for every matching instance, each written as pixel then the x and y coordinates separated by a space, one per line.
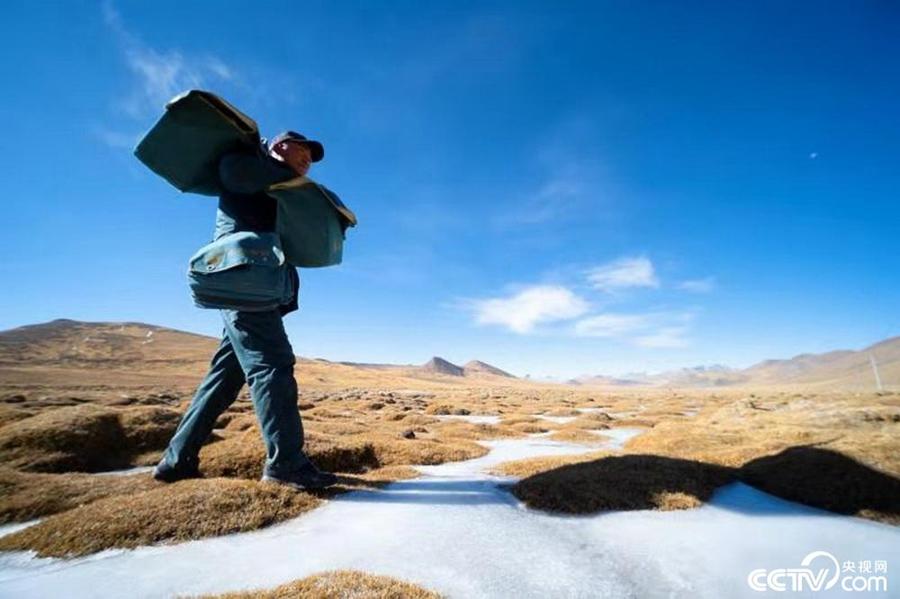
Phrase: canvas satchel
pixel 241 271
pixel 196 130
pixel 311 222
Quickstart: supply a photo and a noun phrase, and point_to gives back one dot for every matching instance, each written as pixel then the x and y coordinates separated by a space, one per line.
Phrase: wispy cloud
pixel 623 273
pixel 610 325
pixel 523 311
pixel 116 139
pixel 666 337
pixel 559 195
pixel 160 74
pixel 704 285
pixel 567 179
pixel 659 329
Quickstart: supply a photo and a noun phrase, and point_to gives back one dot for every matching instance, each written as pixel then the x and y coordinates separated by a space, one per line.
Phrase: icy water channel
pixel 457 531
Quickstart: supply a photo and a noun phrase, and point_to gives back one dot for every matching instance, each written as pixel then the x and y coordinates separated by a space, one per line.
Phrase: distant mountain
pixel 476 367
pixel 473 368
pixel 65 342
pixel 605 381
pixel 438 365
pixel 841 369
pixel 116 354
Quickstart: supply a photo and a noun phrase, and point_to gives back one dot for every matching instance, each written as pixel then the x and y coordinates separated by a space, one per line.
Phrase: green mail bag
pixel 185 146
pixel 311 222
pixel 186 143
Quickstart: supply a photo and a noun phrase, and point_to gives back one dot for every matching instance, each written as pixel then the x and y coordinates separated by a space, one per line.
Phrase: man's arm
pixel 250 172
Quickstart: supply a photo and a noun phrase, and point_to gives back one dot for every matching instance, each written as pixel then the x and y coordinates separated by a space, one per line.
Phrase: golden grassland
pixel 837 451
pixel 339 584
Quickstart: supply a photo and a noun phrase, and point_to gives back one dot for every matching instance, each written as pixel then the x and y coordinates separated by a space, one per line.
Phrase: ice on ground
pixel 556 419
pixel 618 436
pixel 126 471
pixel 8 529
pixel 473 418
pixel 458 531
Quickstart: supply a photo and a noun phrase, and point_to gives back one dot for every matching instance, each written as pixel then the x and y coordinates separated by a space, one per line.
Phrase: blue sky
pixel 554 188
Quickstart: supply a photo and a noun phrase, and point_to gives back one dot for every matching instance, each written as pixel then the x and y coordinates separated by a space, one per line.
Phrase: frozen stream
pixel 454 530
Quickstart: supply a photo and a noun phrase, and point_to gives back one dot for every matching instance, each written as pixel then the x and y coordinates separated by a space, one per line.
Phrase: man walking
pixel 255 349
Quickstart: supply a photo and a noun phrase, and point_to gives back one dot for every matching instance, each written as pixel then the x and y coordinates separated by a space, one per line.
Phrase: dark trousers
pixel 254 349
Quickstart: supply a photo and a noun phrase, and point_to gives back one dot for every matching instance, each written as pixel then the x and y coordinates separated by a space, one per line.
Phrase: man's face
pixel 296 155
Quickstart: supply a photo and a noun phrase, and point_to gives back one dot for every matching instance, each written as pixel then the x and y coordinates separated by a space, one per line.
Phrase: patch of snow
pixel 473 418
pixel 8 529
pixel 556 419
pixel 126 471
pixel 623 414
pixel 456 530
pixel 618 436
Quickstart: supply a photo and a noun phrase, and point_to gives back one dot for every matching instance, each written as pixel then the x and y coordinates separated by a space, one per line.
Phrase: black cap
pixel 315 148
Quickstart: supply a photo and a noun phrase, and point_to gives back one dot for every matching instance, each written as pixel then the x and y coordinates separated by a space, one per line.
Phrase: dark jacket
pixel 244 205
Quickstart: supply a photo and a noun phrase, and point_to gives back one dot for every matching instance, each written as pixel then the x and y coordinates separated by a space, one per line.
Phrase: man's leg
pixel 218 390
pixel 267 359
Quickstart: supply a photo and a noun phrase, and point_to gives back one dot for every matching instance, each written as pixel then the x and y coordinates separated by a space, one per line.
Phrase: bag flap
pixel 196 130
pixel 307 184
pixel 246 247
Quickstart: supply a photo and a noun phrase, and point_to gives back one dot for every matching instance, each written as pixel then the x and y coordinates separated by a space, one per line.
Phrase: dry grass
pixel 838 453
pixel 339 584
pixel 26 495
pixel 242 455
pixel 472 431
pixel 569 434
pixel 80 438
pixel 187 510
pixel 531 466
pixel 425 451
pixel 629 482
pixel 84 438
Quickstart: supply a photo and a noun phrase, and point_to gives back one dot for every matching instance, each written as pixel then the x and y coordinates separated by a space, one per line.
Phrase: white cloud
pixel 160 75
pixel 610 325
pixel 559 195
pixel 534 305
pixel 660 329
pixel 624 273
pixel 704 285
pixel 116 139
pixel 666 337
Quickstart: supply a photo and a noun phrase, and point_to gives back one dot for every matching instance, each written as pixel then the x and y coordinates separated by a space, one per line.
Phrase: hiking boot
pixel 306 476
pixel 170 474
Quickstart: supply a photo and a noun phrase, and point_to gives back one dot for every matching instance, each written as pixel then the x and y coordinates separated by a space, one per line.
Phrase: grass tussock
pixel 569 434
pixel 840 455
pixel 27 495
pixel 472 431
pixel 84 438
pixel 531 466
pixel 243 455
pixel 192 509
pixel 182 511
pixel 13 413
pixel 339 584
pixel 628 482
pixel 425 451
